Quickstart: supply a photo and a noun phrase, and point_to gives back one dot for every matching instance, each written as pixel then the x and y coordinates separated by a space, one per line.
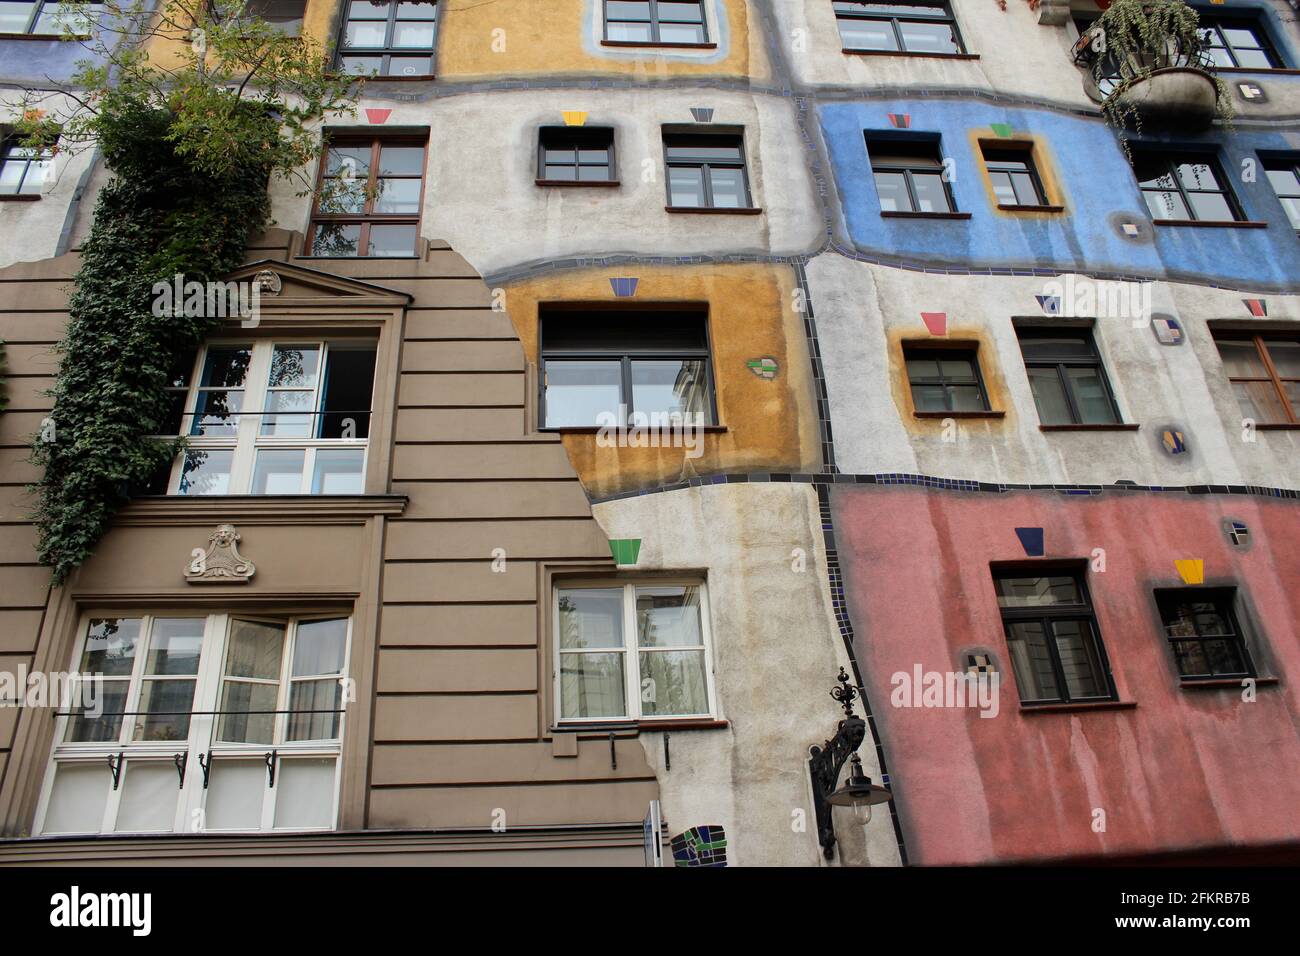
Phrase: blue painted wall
pixel 1098 185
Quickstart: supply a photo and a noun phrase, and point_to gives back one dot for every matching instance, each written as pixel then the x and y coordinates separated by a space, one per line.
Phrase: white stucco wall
pixel 776 652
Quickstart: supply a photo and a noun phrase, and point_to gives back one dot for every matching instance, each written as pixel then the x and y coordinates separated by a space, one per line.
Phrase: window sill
pixel 575 182
pixel 1278 427
pixel 892 214
pixel 596 729
pixel 1227 683
pixel 984 414
pixel 25 197
pixel 1213 223
pixel 260 509
pixel 1111 427
pixel 366 78
pixel 41 36
pixel 909 53
pixel 659 46
pixel 1017 207
pixel 355 258
pixel 1077 706
pixel 597 429
pixel 1279 70
pixel 717 210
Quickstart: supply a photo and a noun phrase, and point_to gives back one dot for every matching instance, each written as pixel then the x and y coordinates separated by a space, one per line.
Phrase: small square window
pixel 1204 633
pixel 1013 175
pixel 575 155
pixel 945 380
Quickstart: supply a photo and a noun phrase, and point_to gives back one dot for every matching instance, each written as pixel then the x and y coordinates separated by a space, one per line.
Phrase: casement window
pixel 909 176
pixel 636 363
pixel 1264 371
pixel 1204 633
pixel 274 418
pixel 48 17
pixel 389 37
pixel 632 651
pixel 1055 646
pixel 1013 175
pixel 221 723
pixel 24 169
pixel 656 22
pixel 568 154
pixel 945 380
pixel 1235 42
pixel 706 171
pixel 368 198
pixel 899 27
pixel 1067 377
pixel 1184 187
pixel 1284 177
pixel 285 15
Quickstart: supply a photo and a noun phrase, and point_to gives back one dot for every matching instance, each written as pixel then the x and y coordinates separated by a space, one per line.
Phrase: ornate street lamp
pixel 826 762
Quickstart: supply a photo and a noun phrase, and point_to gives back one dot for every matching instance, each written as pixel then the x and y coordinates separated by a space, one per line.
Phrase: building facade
pixel 691 352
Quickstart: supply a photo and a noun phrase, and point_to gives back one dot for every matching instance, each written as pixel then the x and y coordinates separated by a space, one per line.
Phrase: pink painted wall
pixel 1183 769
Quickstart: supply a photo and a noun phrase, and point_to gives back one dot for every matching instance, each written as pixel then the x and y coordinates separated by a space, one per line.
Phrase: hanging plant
pixel 191 146
pixel 1132 40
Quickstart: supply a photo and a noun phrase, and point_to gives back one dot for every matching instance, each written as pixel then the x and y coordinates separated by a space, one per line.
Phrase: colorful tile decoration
pixel 624 287
pixel 700 846
pixel 936 322
pixel 1031 539
pixel 1237 532
pixel 1168 331
pixel 625 550
pixel 1050 304
pixel 900 120
pixel 702 114
pixel 1130 228
pixel 1002 130
pixel 765 367
pixel 1191 570
pixel 575 117
pixel 1257 307
pixel 980 664
pixel 1173 441
pixel 377 116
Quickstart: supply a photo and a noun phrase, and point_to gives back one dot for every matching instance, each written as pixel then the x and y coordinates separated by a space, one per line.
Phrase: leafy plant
pixel 195 107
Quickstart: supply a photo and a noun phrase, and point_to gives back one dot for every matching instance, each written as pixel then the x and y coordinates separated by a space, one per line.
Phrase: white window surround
pixel 634 682
pixel 244 445
pixel 305 793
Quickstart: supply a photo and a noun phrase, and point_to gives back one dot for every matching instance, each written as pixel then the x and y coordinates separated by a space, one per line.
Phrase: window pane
pixel 867 35
pixel 629 32
pixel 110 646
pixel 1190 658
pixel 349 385
pixel 1003 188
pixel 164 703
pixel 1090 396
pixel 336 239
pixel 1211 207
pixel 206 471
pixel 11 175
pixel 304 796
pixel 682 11
pixel 628 9
pixel 367 10
pixel 591 685
pixel 1049 396
pixel 1241 359
pixel 930 398
pixel 1224 657
pixel 1080 662
pixel 1166 205
pixel 682 32
pixel 1038 591
pixel 1032 661
pixel 365 34
pixel 216 413
pixel 562 172
pixel 578 391
pixel 1253 59
pixel 362 66
pixel 149 793
pixel 238 724
pixel 339 471
pixel 967 398
pixel 348 162
pixel 1260 401
pixel 275 422
pixel 410 66
pixel 1292 208
pixel 278 472
pixel 892 189
pixel 413 35
pixel 392 241
pixel 928 38
pixel 307 695
pixel 174 646
pixel 254 650
pixel 1196 175
pixel 1026 191
pixel 78 798
pixel 1286 357
pixel 320 647
pixel 401 161
pixel 670 385
pixel 668 617
pixel 398 196
pixel 930 192
pixel 110 695
pixel 590 617
pixel 343 196
pixel 591 173
pixel 417 9
pixel 1284 181
pixel 14 17
pixel 685 186
pixel 673 683
pixel 294 366
pixel 235 792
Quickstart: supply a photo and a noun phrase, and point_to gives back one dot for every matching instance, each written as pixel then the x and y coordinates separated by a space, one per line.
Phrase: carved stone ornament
pixel 221 563
pixel 268 282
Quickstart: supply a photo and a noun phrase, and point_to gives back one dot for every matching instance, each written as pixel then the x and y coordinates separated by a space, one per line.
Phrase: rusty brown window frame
pixel 367 217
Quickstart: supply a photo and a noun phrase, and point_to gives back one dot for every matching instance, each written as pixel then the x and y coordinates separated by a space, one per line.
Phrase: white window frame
pixel 248 440
pixel 202 737
pixel 630 650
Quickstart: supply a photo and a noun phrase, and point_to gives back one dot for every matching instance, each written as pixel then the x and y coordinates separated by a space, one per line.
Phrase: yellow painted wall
pixel 319 22
pixel 558 36
pixel 771 425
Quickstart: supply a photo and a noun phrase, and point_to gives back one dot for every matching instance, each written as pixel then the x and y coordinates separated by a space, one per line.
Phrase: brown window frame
pixel 1260 340
pixel 367 218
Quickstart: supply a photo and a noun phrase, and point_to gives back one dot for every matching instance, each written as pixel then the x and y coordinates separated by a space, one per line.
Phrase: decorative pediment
pixel 290 287
pixel 220 562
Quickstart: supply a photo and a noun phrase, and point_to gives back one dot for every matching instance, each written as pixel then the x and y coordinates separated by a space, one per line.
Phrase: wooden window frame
pixel 1260 341
pixel 367 218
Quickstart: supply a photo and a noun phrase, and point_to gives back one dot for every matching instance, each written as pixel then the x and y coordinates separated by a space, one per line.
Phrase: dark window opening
pixel 1066 376
pixel 577 155
pixel 1204 633
pixel 945 380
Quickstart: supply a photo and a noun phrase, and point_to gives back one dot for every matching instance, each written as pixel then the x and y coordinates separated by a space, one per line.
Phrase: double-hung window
pixel 1284 176
pixel 706 171
pixel 275 418
pixel 1237 43
pixel 1184 187
pixel 625 366
pixel 898 27
pixel 24 169
pixel 568 154
pixel 1066 376
pixel 48 17
pixel 368 198
pixel 389 37
pixel 1264 371
pixel 632 651
pixel 909 176
pixel 196 724
pixel 945 380
pixel 656 22
pixel 1051 632
pixel 1204 633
